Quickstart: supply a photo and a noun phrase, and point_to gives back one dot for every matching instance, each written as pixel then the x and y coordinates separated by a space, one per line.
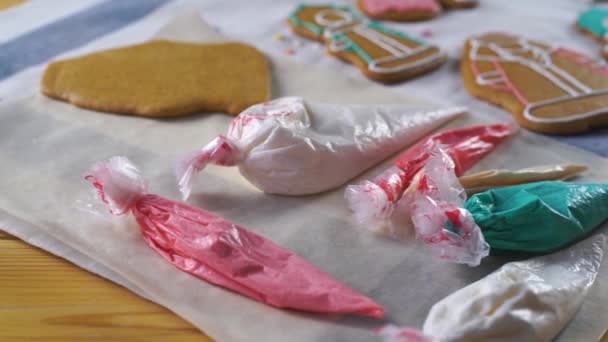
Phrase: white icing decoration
pixel 346 18
pixel 541 62
pixel 490 78
pixel 348 24
pixel 579 116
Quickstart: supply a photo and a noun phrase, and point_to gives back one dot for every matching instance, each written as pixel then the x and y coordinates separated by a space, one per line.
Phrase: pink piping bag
pixel 221 252
pixel 374 201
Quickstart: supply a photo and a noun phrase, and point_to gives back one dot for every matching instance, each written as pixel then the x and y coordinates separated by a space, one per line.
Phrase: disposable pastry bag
pixel 46 146
pixel 531 300
pixel 291 146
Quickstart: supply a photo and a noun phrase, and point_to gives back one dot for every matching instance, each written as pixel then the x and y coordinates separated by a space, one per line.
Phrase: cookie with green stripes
pixel 381 53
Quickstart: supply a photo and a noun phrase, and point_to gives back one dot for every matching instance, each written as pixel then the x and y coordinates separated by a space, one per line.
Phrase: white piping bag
pixel 291 146
pixel 528 300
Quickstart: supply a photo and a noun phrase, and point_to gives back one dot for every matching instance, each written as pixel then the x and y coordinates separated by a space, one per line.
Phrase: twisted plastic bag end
pixel 118 182
pixel 440 220
pixel 219 151
pixel 393 333
pixel 369 204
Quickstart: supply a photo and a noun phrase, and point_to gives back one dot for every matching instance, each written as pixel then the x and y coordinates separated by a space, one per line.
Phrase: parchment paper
pixel 45 146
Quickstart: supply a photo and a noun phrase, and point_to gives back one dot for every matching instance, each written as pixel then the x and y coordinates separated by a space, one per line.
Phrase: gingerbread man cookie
pixel 162 79
pixel 380 53
pixel 594 22
pixel 548 89
pixel 409 10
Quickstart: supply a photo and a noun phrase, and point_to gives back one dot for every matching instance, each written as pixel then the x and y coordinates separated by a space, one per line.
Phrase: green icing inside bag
pixel 539 217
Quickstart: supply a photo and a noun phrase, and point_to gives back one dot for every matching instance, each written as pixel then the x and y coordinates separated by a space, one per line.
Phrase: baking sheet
pixel 45 146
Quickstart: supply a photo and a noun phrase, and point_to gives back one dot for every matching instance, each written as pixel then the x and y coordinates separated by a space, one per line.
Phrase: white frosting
pixel 294 147
pixel 522 301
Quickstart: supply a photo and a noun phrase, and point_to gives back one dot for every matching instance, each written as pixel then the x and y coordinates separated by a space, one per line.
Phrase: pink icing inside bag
pixel 373 201
pixel 221 252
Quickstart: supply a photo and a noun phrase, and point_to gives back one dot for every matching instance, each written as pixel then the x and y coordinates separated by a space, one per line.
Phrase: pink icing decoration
pixel 508 87
pixel 378 7
pixel 583 60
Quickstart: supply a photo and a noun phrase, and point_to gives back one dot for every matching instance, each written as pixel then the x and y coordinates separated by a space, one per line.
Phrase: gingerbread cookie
pixel 459 3
pixel 409 10
pixel 162 79
pixel 594 23
pixel 4 4
pixel 380 53
pixel 400 10
pixel 548 89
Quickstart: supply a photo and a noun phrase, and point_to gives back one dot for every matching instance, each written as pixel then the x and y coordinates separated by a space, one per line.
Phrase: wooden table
pixel 47 298
pixel 4 4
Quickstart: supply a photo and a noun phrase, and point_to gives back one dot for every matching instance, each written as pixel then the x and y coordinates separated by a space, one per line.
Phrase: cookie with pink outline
pixel 548 89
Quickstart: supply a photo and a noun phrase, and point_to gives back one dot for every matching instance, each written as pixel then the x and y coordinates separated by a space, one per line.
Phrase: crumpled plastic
pixel 435 203
pixel 528 300
pixel 372 202
pixel 221 252
pixel 291 146
pixel 539 217
pixel 481 181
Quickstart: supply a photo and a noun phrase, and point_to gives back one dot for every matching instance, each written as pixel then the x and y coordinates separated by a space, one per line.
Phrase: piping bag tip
pixel 184 171
pixel 218 151
pixel 369 204
pixel 119 183
pixel 393 333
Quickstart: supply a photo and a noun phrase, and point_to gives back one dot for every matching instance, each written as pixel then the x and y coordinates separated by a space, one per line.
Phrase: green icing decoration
pixel 450 226
pixel 382 28
pixel 314 28
pixel 294 19
pixel 593 20
pixel 539 217
pixel 352 46
pixel 341 37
